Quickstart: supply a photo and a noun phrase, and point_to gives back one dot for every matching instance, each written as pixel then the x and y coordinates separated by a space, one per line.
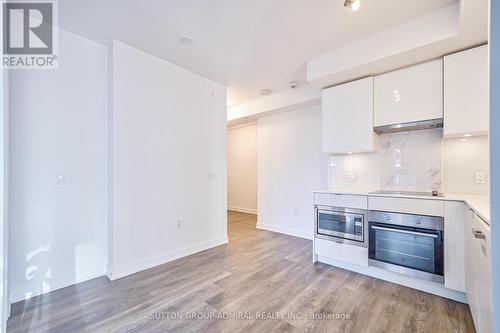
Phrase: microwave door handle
pixel 332 212
pixel 406 232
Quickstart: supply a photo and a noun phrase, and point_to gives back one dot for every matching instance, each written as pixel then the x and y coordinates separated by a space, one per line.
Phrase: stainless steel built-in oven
pixel 341 225
pixel 407 244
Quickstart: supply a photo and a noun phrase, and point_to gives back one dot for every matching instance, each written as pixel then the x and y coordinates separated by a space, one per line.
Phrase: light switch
pixel 480 177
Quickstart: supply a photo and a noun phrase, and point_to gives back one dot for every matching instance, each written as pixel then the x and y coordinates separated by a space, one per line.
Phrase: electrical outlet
pixel 296 211
pixel 179 224
pixel 480 177
pixel 351 177
pixel 61 179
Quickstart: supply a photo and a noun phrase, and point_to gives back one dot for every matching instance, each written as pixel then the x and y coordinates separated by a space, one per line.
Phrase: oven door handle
pixel 405 232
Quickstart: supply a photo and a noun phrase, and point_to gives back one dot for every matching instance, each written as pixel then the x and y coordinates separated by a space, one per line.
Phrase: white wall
pixel 287 100
pixel 168 162
pixel 242 168
pixel 58 230
pixel 290 167
pixel 462 158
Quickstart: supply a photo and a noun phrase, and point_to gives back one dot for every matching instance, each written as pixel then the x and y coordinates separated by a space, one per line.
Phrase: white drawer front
pixel 341 200
pixel 344 252
pixel 408 206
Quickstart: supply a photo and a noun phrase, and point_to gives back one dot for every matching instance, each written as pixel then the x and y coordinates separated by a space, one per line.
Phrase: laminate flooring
pixel 260 282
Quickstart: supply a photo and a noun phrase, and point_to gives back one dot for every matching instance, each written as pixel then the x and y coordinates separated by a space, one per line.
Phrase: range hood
pixel 411 126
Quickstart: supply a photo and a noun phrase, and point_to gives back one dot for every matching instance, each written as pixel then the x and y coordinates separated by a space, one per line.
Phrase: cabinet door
pixel 454 254
pixel 484 274
pixel 478 272
pixel 410 94
pixel 472 265
pixel 466 92
pixel 347 118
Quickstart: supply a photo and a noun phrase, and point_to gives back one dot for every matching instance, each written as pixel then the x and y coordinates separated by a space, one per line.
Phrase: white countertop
pixel 480 204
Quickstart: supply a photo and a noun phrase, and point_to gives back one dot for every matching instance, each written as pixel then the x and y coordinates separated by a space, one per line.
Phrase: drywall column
pixel 168 163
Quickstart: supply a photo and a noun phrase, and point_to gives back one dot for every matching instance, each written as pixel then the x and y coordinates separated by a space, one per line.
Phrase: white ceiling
pixel 246 45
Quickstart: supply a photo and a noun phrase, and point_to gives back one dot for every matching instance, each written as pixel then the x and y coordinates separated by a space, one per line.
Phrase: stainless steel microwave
pixel 343 225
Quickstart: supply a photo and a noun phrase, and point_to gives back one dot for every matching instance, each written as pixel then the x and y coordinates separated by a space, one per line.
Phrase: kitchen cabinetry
pixel 351 254
pixel 410 94
pixel 454 254
pixel 347 118
pixel 478 272
pixel 341 200
pixel 466 92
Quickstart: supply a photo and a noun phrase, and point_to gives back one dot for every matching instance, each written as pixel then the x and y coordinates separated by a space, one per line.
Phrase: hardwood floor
pixel 259 273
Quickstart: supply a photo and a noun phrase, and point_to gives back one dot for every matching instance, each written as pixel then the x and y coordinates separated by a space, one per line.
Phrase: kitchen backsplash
pixel 413 161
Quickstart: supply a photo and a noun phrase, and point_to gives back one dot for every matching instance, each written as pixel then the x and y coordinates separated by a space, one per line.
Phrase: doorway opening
pixel 242 177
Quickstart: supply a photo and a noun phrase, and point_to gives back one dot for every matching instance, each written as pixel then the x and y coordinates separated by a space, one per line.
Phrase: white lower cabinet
pixel 454 254
pixel 478 271
pixel 351 254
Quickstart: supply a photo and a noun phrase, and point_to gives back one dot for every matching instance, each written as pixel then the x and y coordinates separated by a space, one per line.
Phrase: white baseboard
pixel 128 269
pixel 29 290
pixel 404 280
pixel 242 210
pixel 285 230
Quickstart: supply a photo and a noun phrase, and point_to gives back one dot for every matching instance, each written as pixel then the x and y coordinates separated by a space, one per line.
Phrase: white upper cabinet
pixel 410 94
pixel 347 118
pixel 466 92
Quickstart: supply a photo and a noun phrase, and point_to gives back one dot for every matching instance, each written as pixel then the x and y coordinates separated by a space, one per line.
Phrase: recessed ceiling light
pixel 352 4
pixel 185 39
pixel 265 92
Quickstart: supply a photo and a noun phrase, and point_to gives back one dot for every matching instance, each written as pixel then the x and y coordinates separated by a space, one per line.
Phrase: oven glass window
pixel 404 247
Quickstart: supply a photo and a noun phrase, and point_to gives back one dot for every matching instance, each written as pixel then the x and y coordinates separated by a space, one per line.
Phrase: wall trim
pixel 141 265
pixel 33 289
pixel 243 210
pixel 284 230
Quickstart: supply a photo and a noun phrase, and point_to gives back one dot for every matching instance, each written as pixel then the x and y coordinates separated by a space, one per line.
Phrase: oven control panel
pixel 409 220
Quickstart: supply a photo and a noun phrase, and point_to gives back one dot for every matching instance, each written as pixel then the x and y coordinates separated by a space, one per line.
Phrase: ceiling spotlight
pixel 352 4
pixel 294 85
pixel 265 92
pixel 185 39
